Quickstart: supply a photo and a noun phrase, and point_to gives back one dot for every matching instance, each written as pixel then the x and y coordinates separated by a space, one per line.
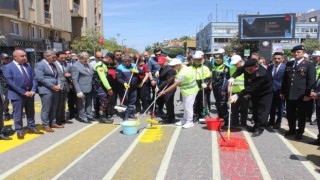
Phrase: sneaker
pixel 180 123
pixel 188 125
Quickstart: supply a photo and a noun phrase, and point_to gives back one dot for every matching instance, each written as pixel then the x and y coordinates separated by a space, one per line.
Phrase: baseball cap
pixel 162 60
pixel 221 50
pixel 175 61
pixel 316 53
pixel 197 56
pixel 199 53
pixel 91 57
pixel 4 55
pixel 251 62
pixel 235 59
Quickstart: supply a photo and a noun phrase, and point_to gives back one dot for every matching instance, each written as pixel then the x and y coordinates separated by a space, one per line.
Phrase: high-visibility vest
pixel 198 71
pixel 219 68
pixel 189 85
pixel 317 71
pixel 238 84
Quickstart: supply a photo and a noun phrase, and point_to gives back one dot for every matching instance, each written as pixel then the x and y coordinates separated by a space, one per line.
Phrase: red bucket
pixel 214 124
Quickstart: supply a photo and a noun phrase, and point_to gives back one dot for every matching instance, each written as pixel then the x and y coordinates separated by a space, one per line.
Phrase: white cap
pixel 175 61
pixel 235 59
pixel 92 57
pixel 306 55
pixel 73 54
pixel 316 53
pixel 200 53
pixel 197 56
pixel 221 50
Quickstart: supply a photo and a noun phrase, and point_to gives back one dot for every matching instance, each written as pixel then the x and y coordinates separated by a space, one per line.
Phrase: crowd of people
pixel 102 83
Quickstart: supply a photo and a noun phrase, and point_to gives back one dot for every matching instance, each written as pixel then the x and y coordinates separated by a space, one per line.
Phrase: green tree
pixel 239 46
pixel 311 44
pixel 173 52
pixel 185 38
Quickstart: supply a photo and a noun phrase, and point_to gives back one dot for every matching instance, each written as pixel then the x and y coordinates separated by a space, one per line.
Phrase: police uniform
pixel 299 78
pixel 220 76
pixel 259 87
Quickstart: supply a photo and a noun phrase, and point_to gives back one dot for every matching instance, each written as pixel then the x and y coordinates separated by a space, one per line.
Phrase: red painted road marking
pixel 238 162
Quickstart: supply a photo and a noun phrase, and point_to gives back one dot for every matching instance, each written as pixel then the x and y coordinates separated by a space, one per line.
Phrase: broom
pixel 204 110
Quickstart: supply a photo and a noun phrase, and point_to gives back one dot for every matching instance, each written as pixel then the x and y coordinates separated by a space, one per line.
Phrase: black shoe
pixel 91 119
pixel 85 121
pixel 270 124
pixel 106 121
pixel 315 142
pixel 250 129
pixel 3 137
pixel 276 126
pixel 68 122
pixel 97 115
pixel 289 133
pixel 257 133
pixel 298 137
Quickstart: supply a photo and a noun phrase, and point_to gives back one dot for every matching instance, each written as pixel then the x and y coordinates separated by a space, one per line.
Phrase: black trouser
pixel 207 93
pixel 260 110
pixel 221 104
pixel 240 107
pixel 96 105
pixel 72 103
pixel 168 100
pixel 277 103
pixel 198 107
pixel 309 110
pixel 296 108
pixel 318 116
pixel 142 94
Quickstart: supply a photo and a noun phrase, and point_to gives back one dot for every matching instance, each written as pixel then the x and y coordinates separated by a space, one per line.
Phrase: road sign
pixel 29 50
pixel 246 52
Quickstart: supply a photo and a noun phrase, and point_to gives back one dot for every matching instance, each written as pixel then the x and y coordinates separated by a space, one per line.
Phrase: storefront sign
pixel 21 43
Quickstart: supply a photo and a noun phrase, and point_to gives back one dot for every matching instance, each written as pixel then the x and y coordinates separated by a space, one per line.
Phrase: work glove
pixel 126 85
pixel 134 70
pixel 204 85
pixel 156 89
pixel 80 95
pixel 233 98
pixel 157 74
pixel 231 81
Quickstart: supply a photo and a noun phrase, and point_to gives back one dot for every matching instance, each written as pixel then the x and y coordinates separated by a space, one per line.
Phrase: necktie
pixel 53 69
pixel 275 70
pixel 87 67
pixel 295 64
pixel 26 78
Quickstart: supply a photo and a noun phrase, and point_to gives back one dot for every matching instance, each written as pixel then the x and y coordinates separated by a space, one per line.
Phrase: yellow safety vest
pixel 197 71
pixel 317 70
pixel 189 85
pixel 238 84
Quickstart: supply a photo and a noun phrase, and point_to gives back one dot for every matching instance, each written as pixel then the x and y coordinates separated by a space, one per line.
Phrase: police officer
pixel 220 76
pixel 202 75
pixel 101 86
pixel 299 77
pixel 5 59
pixel 258 85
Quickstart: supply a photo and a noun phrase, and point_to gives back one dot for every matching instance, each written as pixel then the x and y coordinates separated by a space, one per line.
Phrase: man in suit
pixel 72 97
pixel 22 87
pixel 63 74
pixel 299 77
pixel 276 70
pixel 5 59
pixel 49 86
pixel 82 74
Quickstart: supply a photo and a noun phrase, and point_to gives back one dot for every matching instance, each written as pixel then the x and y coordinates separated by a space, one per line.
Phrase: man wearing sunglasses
pixel 118 55
pixel 258 85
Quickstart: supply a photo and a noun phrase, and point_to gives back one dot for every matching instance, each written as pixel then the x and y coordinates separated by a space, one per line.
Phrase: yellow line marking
pixel 51 163
pixel 7 145
pixel 145 160
pixel 152 134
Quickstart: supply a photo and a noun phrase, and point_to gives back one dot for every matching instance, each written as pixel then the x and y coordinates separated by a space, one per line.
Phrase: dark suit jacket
pixel 45 77
pixel 16 81
pixel 166 74
pixel 298 81
pixel 278 77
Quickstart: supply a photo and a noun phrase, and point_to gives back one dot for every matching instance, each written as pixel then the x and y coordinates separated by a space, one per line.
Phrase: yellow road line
pixel 145 160
pixel 51 163
pixel 7 145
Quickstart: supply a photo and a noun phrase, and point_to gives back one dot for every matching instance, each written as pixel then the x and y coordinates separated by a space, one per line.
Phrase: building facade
pixel 37 25
pixel 216 35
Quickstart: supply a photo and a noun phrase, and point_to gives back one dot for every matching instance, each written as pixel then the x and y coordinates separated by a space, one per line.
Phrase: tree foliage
pixel 311 45
pixel 240 46
pixel 90 43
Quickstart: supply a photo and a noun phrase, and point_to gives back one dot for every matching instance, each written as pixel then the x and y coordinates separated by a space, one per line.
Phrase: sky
pixel 138 23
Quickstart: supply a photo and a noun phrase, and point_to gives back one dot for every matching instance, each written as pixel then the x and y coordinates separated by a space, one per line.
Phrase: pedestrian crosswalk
pixel 102 151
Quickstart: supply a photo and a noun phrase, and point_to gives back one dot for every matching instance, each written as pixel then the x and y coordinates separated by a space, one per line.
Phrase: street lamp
pixel 122 44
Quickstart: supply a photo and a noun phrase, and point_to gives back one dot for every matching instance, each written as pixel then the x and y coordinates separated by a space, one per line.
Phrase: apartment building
pixel 37 25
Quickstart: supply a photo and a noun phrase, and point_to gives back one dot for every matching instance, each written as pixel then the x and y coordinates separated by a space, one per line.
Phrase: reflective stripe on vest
pixel 219 68
pixel 238 84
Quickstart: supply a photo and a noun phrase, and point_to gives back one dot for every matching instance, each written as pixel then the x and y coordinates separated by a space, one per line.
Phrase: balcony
pixel 75 10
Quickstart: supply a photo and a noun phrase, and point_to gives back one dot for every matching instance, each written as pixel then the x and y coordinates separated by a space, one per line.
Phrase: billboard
pixel 266 27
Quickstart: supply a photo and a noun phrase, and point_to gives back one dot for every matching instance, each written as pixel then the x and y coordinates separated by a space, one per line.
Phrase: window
pixel 41 33
pixel 16 28
pixel 33 32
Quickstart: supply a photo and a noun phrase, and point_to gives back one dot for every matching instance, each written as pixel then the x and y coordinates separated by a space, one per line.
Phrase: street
pixel 101 151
